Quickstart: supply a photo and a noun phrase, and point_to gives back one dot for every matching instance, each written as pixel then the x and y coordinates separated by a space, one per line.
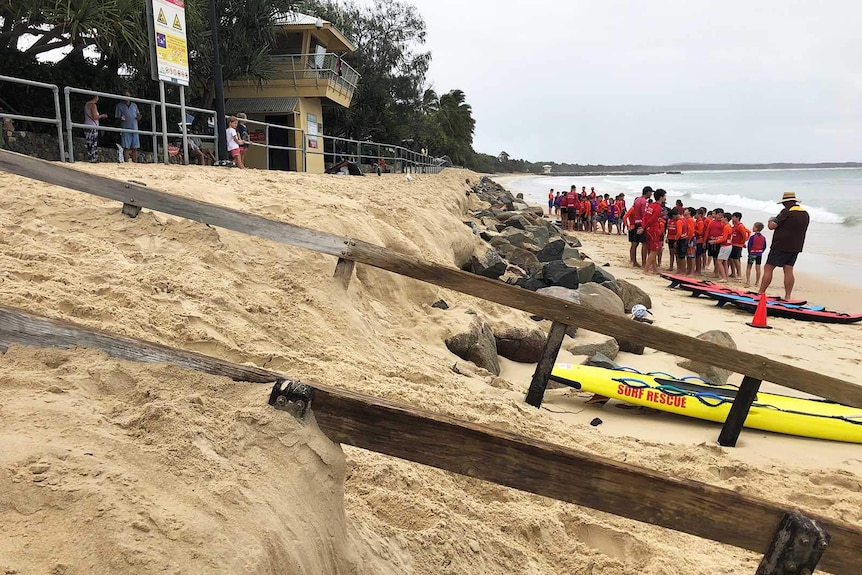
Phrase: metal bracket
pixel 796 548
pixel 291 396
pixel 132 210
pixel 348 243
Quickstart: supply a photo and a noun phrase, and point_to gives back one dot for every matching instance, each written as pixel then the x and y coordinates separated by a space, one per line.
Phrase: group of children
pixel 582 211
pixel 694 236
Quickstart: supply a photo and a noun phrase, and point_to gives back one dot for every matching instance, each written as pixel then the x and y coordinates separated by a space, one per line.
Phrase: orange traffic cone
pixel 760 314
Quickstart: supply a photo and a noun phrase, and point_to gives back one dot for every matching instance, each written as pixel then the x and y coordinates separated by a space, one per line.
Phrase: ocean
pixel 833 245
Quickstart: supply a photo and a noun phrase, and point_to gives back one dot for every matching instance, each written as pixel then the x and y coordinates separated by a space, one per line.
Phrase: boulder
pixel 538 211
pixel 557 250
pixel 539 234
pixel 472 225
pixel 519 196
pixel 572 240
pixel 631 347
pixel 520 238
pixel 524 259
pixel 601 275
pixel 614 286
pixel 521 344
pixel 532 283
pixel 520 206
pixel 502 245
pixel 709 372
pixel 487 262
pixel 600 360
pixel 600 298
pixel 476 344
pixel 590 343
pixel 519 222
pixel 632 294
pixel 513 274
pixel 491 223
pixel 585 269
pixel 440 304
pixel 561 274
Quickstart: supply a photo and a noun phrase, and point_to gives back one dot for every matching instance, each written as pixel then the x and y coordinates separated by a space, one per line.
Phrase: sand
pixel 113 466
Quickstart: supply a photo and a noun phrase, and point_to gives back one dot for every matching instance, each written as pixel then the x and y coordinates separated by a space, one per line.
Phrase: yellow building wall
pixel 314 160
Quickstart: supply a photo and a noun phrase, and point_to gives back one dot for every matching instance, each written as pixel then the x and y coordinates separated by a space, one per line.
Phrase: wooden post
pixel 543 370
pixel 131 211
pixel 344 271
pixel 796 548
pixel 739 411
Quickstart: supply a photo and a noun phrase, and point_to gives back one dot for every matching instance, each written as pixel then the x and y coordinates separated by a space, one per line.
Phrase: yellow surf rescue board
pixel 693 397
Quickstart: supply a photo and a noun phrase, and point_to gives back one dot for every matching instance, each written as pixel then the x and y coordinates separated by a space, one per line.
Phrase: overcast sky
pixel 655 81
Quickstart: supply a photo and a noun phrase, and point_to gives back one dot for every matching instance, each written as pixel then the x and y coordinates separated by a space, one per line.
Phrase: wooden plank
pixel 739 411
pixel 20 327
pixel 621 328
pixel 546 364
pixel 344 271
pixel 482 452
pixel 568 475
pixel 136 195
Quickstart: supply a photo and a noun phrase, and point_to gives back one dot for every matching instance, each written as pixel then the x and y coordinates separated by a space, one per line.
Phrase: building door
pixel 281 159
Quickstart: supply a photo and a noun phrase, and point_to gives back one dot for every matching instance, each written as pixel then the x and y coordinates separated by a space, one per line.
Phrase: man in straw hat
pixel 787 240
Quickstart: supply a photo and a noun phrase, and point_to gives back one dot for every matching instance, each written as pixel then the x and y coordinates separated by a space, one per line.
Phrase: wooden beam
pixel 483 452
pixel 134 194
pixel 739 412
pixel 546 364
pixel 621 328
pixel 344 272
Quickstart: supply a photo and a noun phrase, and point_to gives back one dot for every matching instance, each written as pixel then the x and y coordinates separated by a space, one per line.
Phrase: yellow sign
pixel 171 48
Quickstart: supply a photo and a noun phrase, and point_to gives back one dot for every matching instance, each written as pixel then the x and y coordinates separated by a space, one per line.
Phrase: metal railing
pixel 56 120
pixel 326 69
pixel 397 158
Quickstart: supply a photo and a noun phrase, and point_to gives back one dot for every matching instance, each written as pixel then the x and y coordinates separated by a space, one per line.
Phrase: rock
pixel 590 343
pixel 572 240
pixel 539 234
pixel 709 372
pixel 513 274
pixel 600 298
pixel 631 347
pixel 520 206
pixel 487 262
pixel 518 222
pixel 632 294
pixel 614 287
pixel 477 344
pixel 596 422
pixel 561 274
pixel 520 344
pixel 519 196
pixel 440 304
pixel 599 360
pixel 491 223
pixel 557 250
pixel 601 275
pixel 524 259
pixel 585 269
pixel 520 239
pixel 532 283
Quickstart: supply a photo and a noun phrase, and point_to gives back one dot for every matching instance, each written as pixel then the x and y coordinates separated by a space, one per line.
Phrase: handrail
pixel 56 120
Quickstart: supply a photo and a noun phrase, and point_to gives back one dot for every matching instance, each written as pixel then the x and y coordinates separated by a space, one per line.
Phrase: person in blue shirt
pixel 128 114
pixel 756 247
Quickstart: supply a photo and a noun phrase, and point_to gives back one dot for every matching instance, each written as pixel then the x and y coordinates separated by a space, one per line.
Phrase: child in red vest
pixel 756 247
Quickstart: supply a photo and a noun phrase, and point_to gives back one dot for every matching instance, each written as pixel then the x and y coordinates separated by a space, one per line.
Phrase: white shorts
pixel 724 253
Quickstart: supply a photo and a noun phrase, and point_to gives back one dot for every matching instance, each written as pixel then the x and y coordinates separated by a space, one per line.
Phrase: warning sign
pixel 168 43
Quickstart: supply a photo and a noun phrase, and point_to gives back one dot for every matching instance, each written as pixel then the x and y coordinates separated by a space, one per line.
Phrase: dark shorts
pixel 634 236
pixel 700 249
pixel 781 259
pixel 550 203
pixel 572 212
pixel 736 253
pixel 755 259
pixel 682 248
pixel 671 245
pixel 712 250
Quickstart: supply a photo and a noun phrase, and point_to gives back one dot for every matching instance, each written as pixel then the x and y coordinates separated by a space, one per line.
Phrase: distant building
pixel 546 169
pixel 308 69
pixel 503 156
